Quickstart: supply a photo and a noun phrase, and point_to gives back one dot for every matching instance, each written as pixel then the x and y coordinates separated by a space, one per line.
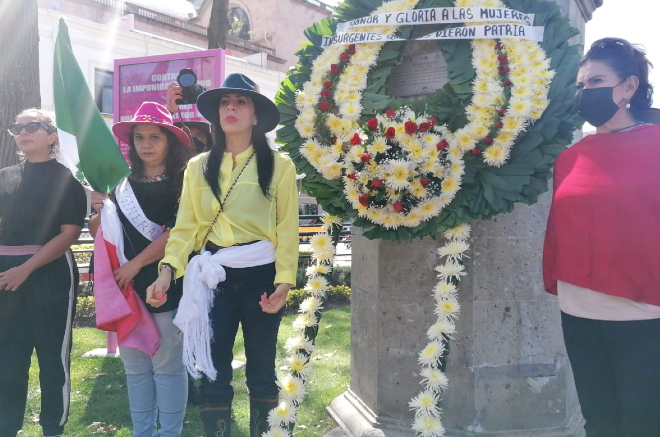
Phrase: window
pixel 239 23
pixel 103 81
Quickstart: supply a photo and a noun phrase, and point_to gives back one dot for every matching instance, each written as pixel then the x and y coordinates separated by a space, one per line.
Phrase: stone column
pixel 508 371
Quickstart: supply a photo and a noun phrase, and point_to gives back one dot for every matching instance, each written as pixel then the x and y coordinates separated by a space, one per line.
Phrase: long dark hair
pixel 175 160
pixel 265 160
pixel 626 60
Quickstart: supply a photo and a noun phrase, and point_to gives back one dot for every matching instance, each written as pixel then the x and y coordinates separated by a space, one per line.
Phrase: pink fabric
pixel 19 250
pixel 120 311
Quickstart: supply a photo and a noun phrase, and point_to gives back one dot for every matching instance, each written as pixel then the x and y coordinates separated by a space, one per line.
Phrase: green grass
pixel 99 385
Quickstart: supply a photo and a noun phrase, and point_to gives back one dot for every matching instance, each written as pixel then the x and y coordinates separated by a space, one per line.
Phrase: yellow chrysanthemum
pixel 450 185
pixel 430 355
pixel 304 321
pixel 429 209
pixel 300 364
pixel 379 145
pixel 434 378
pixel 448 308
pixel 425 403
pixel 284 413
pixel 399 174
pixel 495 156
pixel 461 232
pixel 335 124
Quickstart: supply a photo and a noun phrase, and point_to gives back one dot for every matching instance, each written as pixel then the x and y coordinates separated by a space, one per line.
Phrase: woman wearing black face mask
pixel 600 255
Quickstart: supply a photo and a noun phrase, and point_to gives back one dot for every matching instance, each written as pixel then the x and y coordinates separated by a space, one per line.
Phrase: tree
pixel 19 69
pixel 218 24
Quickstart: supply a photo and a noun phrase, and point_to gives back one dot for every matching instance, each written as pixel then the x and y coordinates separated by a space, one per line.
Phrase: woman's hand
pixel 157 292
pixel 97 201
pixel 173 93
pixel 124 275
pixel 273 303
pixel 11 279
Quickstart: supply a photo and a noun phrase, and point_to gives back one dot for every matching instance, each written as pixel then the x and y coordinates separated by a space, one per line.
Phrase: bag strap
pixel 223 201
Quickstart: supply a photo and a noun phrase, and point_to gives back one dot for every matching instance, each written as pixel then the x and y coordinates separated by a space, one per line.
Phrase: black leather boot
pixel 216 420
pixel 259 409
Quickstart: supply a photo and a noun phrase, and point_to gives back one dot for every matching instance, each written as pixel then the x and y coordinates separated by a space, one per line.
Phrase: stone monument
pixel 508 370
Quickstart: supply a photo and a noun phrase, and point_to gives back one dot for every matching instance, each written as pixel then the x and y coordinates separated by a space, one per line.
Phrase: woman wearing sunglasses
pixel 42 211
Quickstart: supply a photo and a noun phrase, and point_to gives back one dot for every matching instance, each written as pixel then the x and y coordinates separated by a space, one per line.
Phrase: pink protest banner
pixel 145 79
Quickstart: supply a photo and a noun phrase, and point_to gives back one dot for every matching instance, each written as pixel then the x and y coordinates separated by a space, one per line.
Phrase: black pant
pixel 237 300
pixel 37 316
pixel 617 375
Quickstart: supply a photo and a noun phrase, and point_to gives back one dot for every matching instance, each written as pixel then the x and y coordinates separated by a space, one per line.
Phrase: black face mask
pixel 596 105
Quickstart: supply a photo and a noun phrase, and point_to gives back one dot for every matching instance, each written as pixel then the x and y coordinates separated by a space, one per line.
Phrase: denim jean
pixel 237 300
pixel 158 385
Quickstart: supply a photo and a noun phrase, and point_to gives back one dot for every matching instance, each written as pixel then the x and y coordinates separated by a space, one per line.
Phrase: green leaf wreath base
pixel 486 191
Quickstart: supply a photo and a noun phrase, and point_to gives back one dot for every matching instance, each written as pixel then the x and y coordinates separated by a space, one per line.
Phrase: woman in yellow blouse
pixel 239 208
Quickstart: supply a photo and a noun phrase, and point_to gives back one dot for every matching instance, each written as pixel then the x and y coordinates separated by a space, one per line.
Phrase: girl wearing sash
pixel 239 206
pixel 42 211
pixel 146 206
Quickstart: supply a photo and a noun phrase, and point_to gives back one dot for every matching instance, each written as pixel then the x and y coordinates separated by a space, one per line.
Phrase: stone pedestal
pixel 508 370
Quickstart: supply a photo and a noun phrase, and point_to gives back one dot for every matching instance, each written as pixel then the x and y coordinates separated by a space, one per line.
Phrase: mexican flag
pixel 88 147
pixel 90 151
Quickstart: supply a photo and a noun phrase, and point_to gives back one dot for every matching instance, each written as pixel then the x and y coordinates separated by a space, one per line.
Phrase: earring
pixel 628 105
pixel 254 123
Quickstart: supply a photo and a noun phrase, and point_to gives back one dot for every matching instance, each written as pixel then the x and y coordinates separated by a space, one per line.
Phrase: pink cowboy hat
pixel 150 113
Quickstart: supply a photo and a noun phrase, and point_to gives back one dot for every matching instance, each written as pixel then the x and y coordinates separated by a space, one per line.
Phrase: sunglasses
pixel 31 127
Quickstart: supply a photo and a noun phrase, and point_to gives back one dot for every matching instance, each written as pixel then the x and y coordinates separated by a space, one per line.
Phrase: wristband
pixel 170 268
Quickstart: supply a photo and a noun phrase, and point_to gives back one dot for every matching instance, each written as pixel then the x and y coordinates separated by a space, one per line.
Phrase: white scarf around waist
pixel 203 274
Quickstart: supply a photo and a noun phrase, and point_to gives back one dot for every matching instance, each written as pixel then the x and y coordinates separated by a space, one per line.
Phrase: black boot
pixel 259 409
pixel 216 420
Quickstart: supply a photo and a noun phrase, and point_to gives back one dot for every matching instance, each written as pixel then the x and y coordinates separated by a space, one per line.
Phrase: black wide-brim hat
pixel 268 116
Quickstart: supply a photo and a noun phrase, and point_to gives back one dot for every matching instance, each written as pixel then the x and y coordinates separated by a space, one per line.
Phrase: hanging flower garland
pixel 282 418
pixel 433 357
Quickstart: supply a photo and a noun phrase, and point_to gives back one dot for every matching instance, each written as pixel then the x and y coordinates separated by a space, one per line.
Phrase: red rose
pixel 423 127
pixel 328 83
pixel 503 69
pixel 334 68
pixel 365 157
pixel 424 182
pixel 501 111
pixel 326 94
pixel 488 139
pixel 351 176
pixel 345 57
pixel 442 145
pixel 398 206
pixel 499 46
pixel 502 59
pixel 334 140
pixel 324 106
pixel 508 83
pixel 356 140
pixel 432 121
pixel 373 124
pixel 363 199
pixel 351 48
pixel 476 151
pixel 390 113
pixel 376 183
pixel 499 125
pixel 390 133
pixel 411 127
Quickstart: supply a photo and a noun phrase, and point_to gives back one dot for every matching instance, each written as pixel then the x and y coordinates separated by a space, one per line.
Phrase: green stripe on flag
pixel 100 159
